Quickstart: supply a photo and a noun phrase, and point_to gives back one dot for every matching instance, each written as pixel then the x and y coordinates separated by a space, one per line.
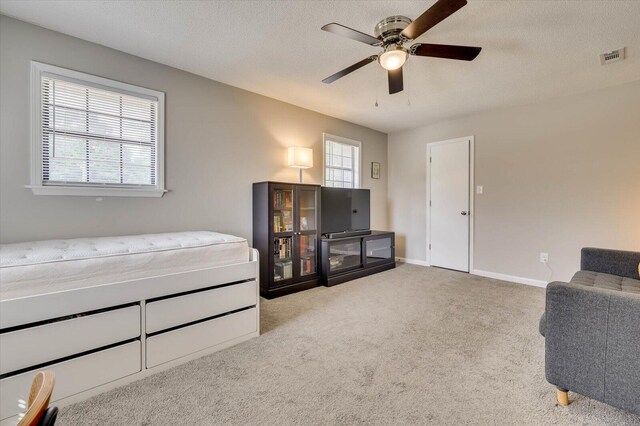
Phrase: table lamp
pixel 300 158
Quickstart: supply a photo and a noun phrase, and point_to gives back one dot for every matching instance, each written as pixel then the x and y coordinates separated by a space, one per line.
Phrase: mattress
pixel 40 267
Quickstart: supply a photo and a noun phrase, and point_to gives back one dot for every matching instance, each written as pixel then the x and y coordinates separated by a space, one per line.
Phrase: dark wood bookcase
pixel 286 233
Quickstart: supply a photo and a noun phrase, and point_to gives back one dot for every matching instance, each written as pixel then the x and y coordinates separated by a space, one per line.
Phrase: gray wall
pixel 557 176
pixel 219 139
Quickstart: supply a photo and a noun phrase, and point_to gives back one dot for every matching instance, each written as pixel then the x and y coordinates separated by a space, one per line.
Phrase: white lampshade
pixel 300 157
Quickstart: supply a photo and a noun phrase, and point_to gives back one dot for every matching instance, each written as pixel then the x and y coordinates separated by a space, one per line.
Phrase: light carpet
pixel 413 345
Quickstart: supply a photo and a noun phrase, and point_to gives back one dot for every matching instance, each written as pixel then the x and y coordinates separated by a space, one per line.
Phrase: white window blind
pixel 341 162
pixel 94 136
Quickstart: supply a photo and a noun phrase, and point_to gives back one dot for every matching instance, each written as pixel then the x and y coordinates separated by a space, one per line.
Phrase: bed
pixel 102 312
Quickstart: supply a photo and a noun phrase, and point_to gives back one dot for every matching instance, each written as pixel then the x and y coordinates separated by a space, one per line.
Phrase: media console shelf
pixel 348 258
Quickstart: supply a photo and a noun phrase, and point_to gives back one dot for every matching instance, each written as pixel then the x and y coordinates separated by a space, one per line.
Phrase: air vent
pixel 613 56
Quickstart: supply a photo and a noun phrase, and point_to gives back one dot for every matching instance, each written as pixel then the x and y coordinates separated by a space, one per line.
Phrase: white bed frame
pixel 128 330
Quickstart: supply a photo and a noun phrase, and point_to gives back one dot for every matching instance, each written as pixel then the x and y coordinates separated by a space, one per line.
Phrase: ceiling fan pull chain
pixel 376 85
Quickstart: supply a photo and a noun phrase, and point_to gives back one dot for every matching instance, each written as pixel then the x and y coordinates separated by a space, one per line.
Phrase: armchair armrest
pixel 575 337
pixel 592 336
pixel 614 262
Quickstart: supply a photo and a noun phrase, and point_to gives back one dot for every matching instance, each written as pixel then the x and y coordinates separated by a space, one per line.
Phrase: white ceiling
pixel 532 50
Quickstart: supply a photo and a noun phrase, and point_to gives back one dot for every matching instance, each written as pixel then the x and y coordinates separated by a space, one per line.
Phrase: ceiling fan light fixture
pixel 393 57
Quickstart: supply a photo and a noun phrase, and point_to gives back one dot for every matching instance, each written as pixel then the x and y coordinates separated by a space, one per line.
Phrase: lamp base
pixel 300 175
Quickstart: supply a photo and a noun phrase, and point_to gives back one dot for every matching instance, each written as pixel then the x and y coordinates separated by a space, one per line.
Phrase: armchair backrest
pixel 613 262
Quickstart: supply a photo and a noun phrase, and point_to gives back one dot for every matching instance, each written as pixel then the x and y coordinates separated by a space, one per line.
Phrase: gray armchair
pixel 591 327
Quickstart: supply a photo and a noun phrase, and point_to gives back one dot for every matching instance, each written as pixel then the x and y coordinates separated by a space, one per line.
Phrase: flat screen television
pixel 345 210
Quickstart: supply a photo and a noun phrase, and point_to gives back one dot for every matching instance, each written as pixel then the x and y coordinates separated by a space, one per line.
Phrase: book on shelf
pixel 283 222
pixel 282 248
pixel 306 245
pixel 307 266
pixel 282 199
pixel 304 241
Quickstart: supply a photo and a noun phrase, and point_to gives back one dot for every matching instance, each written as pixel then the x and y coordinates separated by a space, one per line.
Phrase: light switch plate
pixel 479 189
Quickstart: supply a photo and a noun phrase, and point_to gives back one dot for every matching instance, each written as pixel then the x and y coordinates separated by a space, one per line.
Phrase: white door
pixel 449 205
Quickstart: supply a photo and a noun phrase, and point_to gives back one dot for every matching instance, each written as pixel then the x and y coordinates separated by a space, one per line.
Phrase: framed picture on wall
pixel 375 170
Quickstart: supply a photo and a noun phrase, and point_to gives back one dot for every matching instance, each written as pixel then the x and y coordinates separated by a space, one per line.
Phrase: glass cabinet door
pixel 307 209
pixel 343 256
pixel 307 223
pixel 378 250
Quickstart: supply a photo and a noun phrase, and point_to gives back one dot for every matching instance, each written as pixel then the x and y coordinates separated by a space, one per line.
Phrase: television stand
pixel 347 258
pixel 344 234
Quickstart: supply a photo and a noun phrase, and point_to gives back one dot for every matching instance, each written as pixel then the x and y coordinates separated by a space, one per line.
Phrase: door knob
pixel 463 213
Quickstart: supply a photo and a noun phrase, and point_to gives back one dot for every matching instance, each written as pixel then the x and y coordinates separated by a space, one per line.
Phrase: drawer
pixel 174 311
pixel 177 343
pixel 73 376
pixel 36 345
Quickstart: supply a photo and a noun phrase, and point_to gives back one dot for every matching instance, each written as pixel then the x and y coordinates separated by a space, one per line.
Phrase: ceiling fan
pixel 393 32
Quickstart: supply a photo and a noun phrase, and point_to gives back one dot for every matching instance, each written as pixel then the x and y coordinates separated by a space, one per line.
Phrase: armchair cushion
pixel 611 282
pixel 601 281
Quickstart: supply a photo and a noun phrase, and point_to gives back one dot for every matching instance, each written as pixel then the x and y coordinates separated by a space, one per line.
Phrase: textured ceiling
pixel 532 50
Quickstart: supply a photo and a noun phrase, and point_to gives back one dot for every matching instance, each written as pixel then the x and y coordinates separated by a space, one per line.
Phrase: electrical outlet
pixel 544 257
pixel 479 189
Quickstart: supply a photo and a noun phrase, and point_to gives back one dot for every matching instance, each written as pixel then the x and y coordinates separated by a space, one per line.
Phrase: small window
pixel 341 162
pixel 95 137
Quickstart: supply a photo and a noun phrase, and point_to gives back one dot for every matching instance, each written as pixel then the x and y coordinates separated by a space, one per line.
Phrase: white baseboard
pixel 412 261
pixel 512 278
pixel 487 274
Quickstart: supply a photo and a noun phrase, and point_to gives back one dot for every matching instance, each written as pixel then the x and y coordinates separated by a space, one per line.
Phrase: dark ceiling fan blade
pixel 343 31
pixel 463 53
pixel 396 82
pixel 434 15
pixel 349 70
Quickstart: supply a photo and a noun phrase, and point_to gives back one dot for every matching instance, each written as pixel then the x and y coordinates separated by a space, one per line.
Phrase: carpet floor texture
pixel 413 345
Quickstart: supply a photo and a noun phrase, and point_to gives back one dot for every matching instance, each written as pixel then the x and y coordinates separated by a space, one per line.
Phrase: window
pixel 341 162
pixel 93 136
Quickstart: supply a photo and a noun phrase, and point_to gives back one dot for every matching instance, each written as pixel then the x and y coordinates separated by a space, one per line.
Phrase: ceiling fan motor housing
pixel 389 29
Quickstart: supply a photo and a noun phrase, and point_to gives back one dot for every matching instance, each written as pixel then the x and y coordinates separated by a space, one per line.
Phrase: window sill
pixel 95 192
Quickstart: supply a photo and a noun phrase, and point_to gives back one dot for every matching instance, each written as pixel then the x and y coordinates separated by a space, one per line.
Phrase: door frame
pixel 471 140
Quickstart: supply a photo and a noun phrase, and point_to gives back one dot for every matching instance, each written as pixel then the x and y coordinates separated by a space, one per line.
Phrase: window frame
pixel 37 185
pixel 342 140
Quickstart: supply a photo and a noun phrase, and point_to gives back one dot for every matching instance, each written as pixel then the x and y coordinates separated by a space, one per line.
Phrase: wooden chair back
pixel 39 396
